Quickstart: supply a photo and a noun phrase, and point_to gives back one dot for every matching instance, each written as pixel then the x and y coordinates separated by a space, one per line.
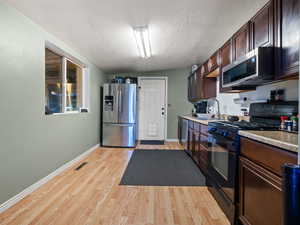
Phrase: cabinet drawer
pixel 204 129
pixel 267 156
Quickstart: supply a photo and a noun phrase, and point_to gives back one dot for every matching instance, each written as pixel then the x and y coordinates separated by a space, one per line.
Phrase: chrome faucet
pixel 219 114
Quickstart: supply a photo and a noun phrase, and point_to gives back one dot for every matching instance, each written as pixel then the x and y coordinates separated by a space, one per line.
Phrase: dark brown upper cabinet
pixel 240 42
pixel 199 94
pixel 288 20
pixel 209 87
pixel 262 27
pixel 226 54
pixel 225 59
pixel 276 24
pixel 213 62
pixel 192 84
pixel 204 68
pixel 199 86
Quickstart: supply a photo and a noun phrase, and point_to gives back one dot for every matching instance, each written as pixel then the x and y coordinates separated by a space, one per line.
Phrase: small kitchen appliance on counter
pixel 224 150
pixel 119 115
pixel 201 107
pixel 201 110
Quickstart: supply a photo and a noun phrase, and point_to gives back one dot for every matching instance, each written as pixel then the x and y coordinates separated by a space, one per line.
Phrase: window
pixel 73 87
pixel 64 84
pixel 54 82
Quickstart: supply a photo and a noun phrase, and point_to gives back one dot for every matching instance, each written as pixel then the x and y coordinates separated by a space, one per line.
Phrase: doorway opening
pixel 152 108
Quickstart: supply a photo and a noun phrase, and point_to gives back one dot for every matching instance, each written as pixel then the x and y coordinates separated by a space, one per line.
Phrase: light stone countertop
pixel 281 139
pixel 195 119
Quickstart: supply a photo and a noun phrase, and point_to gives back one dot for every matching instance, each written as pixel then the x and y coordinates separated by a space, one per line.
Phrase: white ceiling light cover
pixel 143 41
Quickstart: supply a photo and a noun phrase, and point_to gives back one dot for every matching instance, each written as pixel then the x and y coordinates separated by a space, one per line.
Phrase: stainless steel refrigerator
pixel 119 115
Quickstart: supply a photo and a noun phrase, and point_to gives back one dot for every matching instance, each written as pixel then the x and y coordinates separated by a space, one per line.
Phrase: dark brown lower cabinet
pixel 196 152
pixel 260 185
pixel 260 195
pixel 197 144
pixel 190 145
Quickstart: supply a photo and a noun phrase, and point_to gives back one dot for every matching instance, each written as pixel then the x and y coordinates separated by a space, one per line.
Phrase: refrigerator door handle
pixel 120 101
pixel 120 124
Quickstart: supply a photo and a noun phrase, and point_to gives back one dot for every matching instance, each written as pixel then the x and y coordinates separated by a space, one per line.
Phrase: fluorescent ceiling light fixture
pixel 143 41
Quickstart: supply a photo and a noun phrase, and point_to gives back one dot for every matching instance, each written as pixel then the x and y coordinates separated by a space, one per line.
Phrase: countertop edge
pixel 270 141
pixel 192 118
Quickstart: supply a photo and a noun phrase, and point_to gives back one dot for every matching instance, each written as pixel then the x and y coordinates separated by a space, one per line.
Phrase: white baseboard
pixel 172 140
pixel 12 201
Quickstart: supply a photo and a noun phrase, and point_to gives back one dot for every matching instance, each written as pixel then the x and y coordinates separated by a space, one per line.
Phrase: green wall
pixel 177 94
pixel 33 144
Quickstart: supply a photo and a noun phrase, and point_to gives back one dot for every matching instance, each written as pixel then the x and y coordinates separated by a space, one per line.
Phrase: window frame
pixel 85 76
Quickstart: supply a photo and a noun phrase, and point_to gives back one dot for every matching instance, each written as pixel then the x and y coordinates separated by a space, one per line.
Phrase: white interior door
pixel 152 108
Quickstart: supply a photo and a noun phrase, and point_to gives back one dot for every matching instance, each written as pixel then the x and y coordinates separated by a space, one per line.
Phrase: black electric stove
pixel 224 150
pixel 245 125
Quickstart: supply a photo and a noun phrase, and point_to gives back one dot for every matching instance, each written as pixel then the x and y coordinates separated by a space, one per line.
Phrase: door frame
pixel 165 78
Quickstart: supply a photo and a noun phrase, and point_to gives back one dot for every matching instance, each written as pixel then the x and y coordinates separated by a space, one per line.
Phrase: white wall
pixel 227 105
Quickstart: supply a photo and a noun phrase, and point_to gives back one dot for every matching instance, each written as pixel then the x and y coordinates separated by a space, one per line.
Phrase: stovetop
pixel 263 116
pixel 245 125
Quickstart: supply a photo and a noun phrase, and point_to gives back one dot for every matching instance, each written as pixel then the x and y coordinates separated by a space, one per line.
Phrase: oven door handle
pixel 223 140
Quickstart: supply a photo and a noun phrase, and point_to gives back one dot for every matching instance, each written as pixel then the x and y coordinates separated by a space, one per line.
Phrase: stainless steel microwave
pixel 253 69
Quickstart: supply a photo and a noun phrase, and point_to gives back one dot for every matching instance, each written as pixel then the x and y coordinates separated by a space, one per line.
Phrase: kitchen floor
pixel 93 196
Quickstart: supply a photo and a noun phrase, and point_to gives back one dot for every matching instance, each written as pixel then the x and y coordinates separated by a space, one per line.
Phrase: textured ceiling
pixel 182 32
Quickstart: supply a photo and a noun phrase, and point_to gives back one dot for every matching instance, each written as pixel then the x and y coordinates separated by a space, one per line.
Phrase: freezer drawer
pixel 119 135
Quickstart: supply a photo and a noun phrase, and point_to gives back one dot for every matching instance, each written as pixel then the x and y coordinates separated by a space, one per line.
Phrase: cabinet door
pixel 226 54
pixel 209 87
pixel 240 42
pixel 288 37
pixel 262 27
pixel 261 195
pixel 213 62
pixel 225 59
pixel 192 88
pixel 204 155
pixel 196 146
pixel 199 91
pixel 204 68
pixel 195 87
pixel 190 146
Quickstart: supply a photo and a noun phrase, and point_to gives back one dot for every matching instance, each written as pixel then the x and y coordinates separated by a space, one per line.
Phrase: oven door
pixel 223 163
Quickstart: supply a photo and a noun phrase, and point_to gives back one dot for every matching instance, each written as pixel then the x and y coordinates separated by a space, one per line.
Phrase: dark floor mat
pixel 152 142
pixel 162 168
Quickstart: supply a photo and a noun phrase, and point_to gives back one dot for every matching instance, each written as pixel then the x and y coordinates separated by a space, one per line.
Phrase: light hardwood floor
pixel 93 196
